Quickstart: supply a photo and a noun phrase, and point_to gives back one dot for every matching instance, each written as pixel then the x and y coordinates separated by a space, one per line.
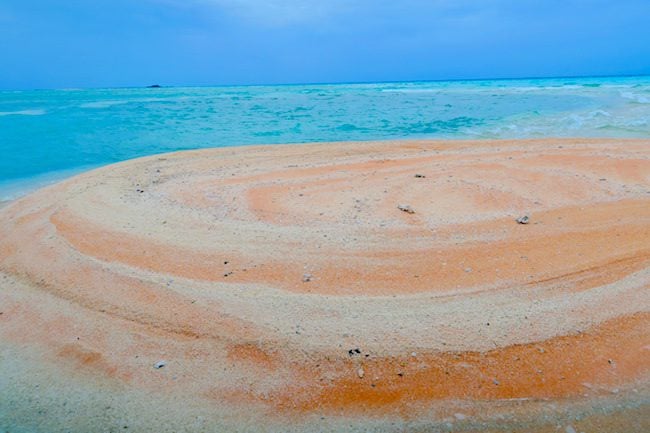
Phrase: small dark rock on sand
pixel 523 220
pixel 405 208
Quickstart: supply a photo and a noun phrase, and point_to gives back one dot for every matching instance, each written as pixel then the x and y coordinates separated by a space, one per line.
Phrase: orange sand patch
pixel 613 354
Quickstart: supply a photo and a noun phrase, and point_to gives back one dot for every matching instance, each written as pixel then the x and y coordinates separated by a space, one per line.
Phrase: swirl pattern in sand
pixel 351 286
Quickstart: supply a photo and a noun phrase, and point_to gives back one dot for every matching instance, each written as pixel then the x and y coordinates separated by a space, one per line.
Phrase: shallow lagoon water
pixel 46 135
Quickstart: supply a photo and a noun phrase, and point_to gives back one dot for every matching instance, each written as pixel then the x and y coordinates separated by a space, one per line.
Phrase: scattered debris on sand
pixel 355 351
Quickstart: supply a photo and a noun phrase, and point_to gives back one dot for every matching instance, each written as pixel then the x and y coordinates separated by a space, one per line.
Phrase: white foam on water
pixel 111 103
pixel 413 91
pixel 641 99
pixel 23 113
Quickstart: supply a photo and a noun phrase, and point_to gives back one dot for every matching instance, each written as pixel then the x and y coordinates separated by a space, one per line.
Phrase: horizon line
pixel 325 83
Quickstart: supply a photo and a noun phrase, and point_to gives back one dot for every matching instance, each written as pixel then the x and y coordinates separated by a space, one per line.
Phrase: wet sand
pixel 283 289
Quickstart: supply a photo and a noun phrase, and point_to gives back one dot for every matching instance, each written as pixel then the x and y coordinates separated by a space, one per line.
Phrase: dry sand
pixel 284 290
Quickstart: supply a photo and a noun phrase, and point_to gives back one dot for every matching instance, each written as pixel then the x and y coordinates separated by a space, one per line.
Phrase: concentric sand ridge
pixel 285 289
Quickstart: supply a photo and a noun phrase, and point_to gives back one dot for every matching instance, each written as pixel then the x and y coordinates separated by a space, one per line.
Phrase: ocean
pixel 46 135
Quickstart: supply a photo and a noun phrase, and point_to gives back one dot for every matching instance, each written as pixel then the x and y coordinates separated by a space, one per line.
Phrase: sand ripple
pixel 284 288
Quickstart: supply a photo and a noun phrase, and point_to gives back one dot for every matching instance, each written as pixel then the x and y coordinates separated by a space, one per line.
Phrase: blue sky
pixel 97 43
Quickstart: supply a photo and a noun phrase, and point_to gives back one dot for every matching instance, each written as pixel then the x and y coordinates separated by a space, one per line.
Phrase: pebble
pixel 405 208
pixel 360 373
pixel 159 364
pixel 307 278
pixel 523 220
pixel 420 176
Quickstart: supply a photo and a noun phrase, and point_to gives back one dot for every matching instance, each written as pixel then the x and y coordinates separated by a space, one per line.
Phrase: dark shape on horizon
pixel 154 86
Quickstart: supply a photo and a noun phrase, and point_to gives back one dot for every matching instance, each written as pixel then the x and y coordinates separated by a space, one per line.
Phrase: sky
pixel 115 43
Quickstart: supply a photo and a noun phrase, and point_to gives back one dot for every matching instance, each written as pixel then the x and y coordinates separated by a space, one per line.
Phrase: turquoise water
pixel 49 134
